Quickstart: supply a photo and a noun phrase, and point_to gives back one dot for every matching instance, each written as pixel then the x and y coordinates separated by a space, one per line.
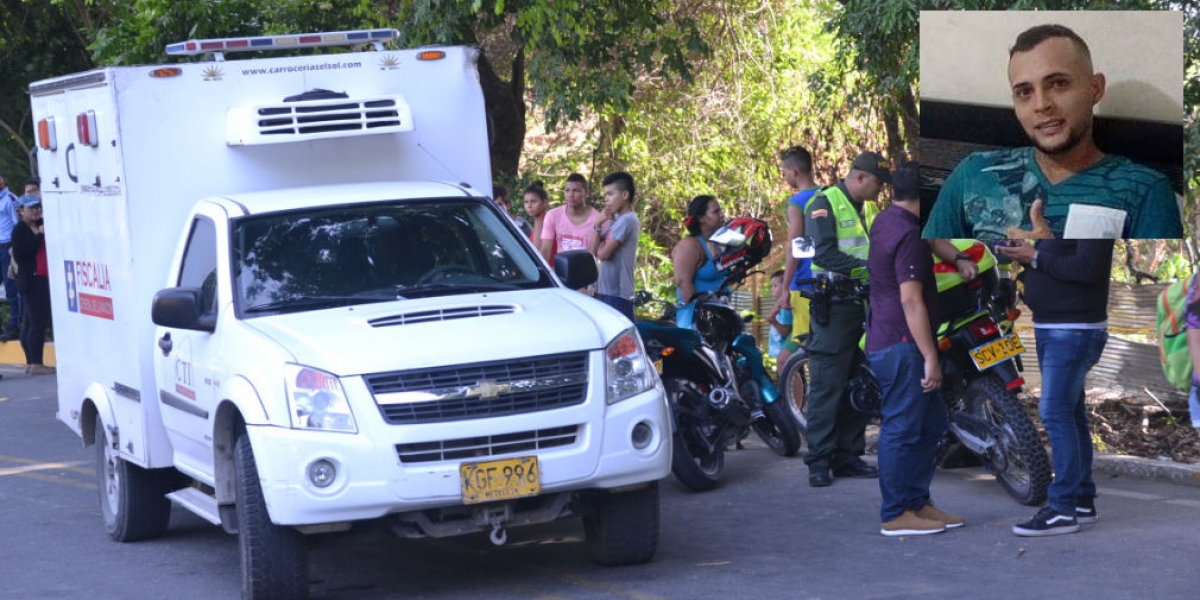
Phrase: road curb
pixel 1114 465
pixel 12 354
pixel 1133 467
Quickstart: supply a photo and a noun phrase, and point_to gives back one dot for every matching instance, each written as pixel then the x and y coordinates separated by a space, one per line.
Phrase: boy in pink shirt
pixel 571 226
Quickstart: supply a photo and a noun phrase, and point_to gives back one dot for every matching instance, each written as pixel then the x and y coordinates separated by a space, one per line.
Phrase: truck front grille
pixel 489 445
pixel 481 390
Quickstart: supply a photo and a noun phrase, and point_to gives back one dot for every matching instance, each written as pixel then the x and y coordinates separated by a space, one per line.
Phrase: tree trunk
pixel 910 117
pixel 895 143
pixel 505 102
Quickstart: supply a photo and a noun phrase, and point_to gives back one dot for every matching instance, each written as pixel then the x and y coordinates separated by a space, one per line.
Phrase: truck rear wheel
pixel 132 499
pixel 274 558
pixel 622 527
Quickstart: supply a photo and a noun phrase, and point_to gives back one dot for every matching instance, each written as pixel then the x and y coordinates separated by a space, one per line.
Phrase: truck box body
pixel 115 209
pixel 171 189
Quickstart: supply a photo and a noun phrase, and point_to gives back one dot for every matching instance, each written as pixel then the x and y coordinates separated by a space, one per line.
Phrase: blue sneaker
pixel 1047 522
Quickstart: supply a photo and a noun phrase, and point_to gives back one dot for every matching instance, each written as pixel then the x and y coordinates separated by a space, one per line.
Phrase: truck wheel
pixel 132 499
pixel 622 527
pixel 274 558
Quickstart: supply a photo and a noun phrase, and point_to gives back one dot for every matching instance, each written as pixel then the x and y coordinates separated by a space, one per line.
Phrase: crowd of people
pixel 25 271
pixel 1065 285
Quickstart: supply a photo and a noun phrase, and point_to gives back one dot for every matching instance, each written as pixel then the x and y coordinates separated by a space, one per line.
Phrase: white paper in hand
pixel 1086 221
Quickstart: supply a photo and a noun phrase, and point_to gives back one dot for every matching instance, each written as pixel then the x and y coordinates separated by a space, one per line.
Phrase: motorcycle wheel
pixel 777 427
pixel 1021 467
pixel 793 388
pixel 692 463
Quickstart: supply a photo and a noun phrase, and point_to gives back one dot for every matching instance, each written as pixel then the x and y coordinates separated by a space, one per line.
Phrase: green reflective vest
pixel 851 232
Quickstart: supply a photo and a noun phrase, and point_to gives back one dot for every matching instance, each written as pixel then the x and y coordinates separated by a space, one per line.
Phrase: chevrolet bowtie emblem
pixel 488 389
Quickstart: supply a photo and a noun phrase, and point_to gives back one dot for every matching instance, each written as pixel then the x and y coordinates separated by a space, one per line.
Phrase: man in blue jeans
pixel 904 358
pixel 1066 289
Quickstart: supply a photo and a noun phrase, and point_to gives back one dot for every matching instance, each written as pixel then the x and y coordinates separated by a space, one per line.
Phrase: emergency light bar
pixel 283 42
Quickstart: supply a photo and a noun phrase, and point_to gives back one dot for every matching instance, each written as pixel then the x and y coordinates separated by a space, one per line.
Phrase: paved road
pixel 764 534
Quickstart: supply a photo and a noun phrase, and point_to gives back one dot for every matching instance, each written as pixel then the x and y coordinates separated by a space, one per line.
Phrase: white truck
pixel 283 301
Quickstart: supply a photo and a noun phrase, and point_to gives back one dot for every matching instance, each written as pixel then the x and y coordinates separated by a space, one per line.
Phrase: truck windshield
pixel 338 256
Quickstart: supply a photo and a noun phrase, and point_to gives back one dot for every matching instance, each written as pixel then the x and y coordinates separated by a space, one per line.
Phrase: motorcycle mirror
pixel 802 247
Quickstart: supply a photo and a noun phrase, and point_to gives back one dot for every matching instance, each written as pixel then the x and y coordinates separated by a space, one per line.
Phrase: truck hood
pixel 414 334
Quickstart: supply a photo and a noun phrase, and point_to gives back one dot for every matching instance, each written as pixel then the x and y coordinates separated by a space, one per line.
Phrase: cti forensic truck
pixel 283 302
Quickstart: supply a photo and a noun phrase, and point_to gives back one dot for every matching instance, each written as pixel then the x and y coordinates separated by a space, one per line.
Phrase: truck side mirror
pixel 576 268
pixel 180 308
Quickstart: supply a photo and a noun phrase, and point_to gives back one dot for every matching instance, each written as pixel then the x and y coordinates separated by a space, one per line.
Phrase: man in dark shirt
pixel 904 358
pixel 1066 289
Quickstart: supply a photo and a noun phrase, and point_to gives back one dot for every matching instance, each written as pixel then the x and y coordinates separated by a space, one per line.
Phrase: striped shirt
pixel 988 192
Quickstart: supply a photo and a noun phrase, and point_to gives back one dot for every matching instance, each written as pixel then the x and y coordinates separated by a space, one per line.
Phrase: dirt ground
pixel 1123 424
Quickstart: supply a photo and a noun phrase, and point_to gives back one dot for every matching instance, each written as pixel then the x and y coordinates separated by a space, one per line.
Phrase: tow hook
pixel 496 517
pixel 498 535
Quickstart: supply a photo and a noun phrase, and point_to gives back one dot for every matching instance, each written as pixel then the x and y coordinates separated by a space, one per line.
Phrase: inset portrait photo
pixel 1064 124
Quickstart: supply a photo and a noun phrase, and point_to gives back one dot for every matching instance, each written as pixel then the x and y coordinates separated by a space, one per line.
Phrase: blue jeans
pixel 914 422
pixel 1064 357
pixel 1194 405
pixel 10 290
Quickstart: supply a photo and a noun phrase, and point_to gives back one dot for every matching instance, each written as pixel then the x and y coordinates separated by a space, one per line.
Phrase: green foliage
pixel 581 56
pixel 1166 260
pixel 878 39
pixel 38 39
pixel 722 135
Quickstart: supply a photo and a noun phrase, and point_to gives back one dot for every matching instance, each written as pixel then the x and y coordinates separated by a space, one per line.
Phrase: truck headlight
pixel 316 400
pixel 629 371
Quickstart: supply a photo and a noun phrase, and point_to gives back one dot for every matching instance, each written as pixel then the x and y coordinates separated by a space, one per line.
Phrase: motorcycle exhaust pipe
pixel 719 398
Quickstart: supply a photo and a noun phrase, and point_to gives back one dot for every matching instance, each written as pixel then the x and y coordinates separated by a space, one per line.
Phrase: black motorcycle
pixel 713 371
pixel 980 357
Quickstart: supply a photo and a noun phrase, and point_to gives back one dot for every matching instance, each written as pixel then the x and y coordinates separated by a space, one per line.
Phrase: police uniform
pixel 838 227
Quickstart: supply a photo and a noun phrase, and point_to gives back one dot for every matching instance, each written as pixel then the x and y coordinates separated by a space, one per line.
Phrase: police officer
pixel 837 219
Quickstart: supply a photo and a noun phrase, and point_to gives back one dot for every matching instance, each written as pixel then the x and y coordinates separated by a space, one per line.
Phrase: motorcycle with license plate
pixel 712 369
pixel 981 363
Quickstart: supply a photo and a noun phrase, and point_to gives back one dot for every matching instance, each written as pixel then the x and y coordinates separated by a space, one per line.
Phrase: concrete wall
pixel 964 57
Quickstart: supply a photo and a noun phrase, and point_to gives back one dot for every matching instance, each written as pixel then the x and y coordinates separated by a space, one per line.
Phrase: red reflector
pixel 237 44
pixel 85 128
pixel 310 39
pixel 1016 383
pixel 983 327
pixel 211 45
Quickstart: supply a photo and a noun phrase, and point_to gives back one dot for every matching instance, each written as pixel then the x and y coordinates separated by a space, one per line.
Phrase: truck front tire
pixel 274 558
pixel 132 499
pixel 622 527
